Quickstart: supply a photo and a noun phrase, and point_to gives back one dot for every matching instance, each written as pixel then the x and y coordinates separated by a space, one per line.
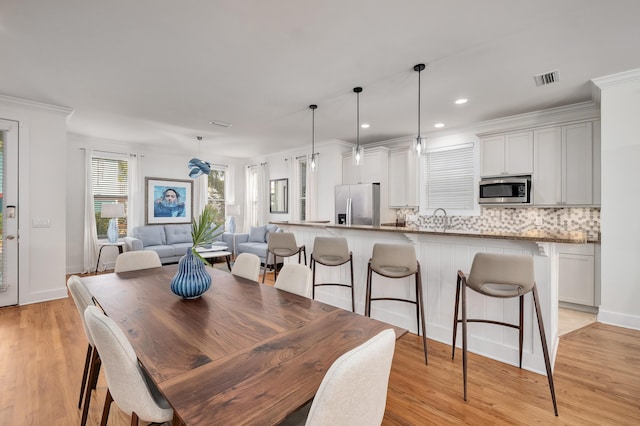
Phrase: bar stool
pixel 331 251
pixel 397 261
pixel 500 275
pixel 282 244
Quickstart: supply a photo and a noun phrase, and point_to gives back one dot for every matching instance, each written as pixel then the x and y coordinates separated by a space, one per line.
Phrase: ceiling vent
pixel 547 78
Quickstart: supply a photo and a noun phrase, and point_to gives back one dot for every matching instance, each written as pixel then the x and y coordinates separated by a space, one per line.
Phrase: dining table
pixel 242 353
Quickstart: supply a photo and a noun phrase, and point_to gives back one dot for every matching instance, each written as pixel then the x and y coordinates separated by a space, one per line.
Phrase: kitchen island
pixel 441 254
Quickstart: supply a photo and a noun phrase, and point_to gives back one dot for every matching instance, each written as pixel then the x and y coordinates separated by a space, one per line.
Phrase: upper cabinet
pixel 403 179
pixel 506 154
pixel 564 172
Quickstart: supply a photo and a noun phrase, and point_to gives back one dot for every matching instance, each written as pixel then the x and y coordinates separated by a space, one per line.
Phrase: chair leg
pixel 275 267
pixel 367 303
pixel 353 298
pixel 107 406
pixel 94 369
pixel 266 263
pixel 455 316
pixel 420 307
pixel 134 419
pixel 545 349
pixel 464 337
pixel 521 328
pixel 313 278
pixel 87 361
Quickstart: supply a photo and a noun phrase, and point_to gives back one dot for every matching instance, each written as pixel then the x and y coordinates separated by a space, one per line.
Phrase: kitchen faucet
pixel 445 222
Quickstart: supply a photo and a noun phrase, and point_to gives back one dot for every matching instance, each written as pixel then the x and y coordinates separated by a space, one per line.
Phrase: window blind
pixel 302 188
pixel 449 178
pixel 110 185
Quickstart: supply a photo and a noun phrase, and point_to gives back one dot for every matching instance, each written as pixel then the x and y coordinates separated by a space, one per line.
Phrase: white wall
pixel 620 218
pixel 153 163
pixel 42 187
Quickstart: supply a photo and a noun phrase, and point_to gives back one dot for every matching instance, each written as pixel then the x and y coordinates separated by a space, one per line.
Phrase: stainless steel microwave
pixel 505 190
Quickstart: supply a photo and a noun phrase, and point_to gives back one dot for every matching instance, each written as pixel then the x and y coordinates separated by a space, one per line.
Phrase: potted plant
pixel 192 278
pixel 204 231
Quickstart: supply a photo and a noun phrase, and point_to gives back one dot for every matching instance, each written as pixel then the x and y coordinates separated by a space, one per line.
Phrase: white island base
pixel 440 257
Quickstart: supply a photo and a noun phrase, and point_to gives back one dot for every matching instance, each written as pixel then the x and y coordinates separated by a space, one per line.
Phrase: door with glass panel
pixel 9 212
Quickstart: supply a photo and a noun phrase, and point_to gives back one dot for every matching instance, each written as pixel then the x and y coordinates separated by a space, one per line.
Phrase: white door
pixel 9 195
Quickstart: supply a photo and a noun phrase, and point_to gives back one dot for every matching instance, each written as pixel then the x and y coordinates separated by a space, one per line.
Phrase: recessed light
pixel 461 101
pixel 438 125
pixel 220 123
pixel 365 126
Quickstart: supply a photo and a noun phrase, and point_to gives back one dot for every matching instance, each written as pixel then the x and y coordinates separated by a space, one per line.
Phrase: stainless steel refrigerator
pixel 358 204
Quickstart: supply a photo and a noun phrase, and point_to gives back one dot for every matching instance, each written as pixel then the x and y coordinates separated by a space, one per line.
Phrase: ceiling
pixel 156 72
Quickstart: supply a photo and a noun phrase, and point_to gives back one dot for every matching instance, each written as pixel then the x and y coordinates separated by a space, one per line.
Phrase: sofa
pixel 169 241
pixel 255 241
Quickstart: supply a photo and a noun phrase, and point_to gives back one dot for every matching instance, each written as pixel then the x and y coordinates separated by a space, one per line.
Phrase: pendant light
pixel 419 143
pixel 358 151
pixel 198 167
pixel 314 159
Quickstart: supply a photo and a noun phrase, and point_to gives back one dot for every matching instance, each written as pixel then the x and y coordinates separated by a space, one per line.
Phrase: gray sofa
pixel 169 241
pixel 255 241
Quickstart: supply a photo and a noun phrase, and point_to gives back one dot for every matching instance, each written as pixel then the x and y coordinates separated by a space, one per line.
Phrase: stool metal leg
pixel 545 349
pixel 367 304
pixel 455 315
pixel 464 336
pixel 521 327
pixel 353 297
pixel 420 312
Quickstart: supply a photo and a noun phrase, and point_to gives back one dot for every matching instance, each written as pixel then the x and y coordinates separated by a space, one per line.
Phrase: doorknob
pixel 10 237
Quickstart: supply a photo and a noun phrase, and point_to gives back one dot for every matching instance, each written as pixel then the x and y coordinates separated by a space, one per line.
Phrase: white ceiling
pixel 156 72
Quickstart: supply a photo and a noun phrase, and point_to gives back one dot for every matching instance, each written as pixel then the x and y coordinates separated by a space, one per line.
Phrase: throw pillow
pixel 150 235
pixel 257 234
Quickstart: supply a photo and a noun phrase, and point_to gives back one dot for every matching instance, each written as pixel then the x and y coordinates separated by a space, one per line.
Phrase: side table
pixel 103 244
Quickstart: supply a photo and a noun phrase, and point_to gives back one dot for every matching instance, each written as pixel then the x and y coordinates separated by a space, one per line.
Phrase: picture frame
pixel 168 200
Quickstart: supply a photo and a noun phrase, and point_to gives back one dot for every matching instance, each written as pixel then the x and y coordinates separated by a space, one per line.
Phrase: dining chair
pixel 247 265
pixel 135 260
pixel 331 252
pixel 282 244
pixel 354 389
pixel 82 298
pixel 503 276
pixel 397 261
pixel 295 278
pixel 127 384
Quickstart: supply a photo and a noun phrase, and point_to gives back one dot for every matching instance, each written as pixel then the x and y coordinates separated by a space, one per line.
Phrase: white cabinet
pixel 404 182
pixel 563 165
pixel 577 278
pixel 506 154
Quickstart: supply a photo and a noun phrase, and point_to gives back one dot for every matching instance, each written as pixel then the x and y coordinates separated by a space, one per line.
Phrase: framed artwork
pixel 168 200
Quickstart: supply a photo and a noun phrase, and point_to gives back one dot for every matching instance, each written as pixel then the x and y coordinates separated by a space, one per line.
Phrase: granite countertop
pixel 569 237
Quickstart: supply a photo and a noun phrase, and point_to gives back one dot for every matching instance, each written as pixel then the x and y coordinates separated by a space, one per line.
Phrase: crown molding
pixel 35 105
pixel 620 79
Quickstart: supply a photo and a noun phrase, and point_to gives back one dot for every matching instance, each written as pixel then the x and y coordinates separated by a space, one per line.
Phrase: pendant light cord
pixel 357 90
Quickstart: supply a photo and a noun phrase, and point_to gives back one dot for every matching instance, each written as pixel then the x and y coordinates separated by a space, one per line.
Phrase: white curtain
pixel 312 191
pixel 230 185
pixel 250 219
pixel 90 252
pixel 135 201
pixel 262 205
pixel 200 188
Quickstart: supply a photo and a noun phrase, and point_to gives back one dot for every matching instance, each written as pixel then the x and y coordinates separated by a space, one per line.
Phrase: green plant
pixel 204 230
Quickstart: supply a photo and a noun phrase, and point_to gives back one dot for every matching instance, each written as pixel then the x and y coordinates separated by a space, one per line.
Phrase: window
pixel 215 194
pixel 449 177
pixel 302 189
pixel 110 185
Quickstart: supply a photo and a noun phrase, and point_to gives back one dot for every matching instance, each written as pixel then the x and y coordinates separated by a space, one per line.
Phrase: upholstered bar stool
pixel 331 251
pixel 282 244
pixel 500 275
pixel 397 261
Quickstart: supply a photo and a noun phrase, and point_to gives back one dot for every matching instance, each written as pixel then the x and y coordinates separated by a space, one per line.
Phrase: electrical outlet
pixel 539 221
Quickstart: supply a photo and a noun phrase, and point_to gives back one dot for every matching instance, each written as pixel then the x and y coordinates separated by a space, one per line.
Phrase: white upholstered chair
pixel 127 384
pixel 354 390
pixel 135 260
pixel 82 298
pixel 295 278
pixel 247 265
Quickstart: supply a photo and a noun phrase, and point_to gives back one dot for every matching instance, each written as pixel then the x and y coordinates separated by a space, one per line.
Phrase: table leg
pixel 228 257
pixel 98 262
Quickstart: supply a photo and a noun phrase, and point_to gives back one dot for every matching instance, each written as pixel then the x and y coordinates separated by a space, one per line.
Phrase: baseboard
pixel 618 319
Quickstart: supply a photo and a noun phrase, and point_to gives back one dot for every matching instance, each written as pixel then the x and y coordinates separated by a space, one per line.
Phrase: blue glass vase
pixel 192 278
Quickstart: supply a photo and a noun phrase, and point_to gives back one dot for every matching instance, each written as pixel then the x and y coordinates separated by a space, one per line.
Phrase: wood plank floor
pixel 597 374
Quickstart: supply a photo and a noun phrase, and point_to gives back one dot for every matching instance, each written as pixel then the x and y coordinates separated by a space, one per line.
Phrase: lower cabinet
pixel 578 279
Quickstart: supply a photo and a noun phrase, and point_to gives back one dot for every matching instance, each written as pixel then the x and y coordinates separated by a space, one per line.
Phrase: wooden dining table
pixel 243 353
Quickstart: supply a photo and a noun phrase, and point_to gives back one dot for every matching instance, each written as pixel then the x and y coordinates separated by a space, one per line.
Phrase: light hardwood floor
pixel 597 374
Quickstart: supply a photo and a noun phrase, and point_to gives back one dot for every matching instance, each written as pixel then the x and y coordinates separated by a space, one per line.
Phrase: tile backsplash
pixel 504 219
